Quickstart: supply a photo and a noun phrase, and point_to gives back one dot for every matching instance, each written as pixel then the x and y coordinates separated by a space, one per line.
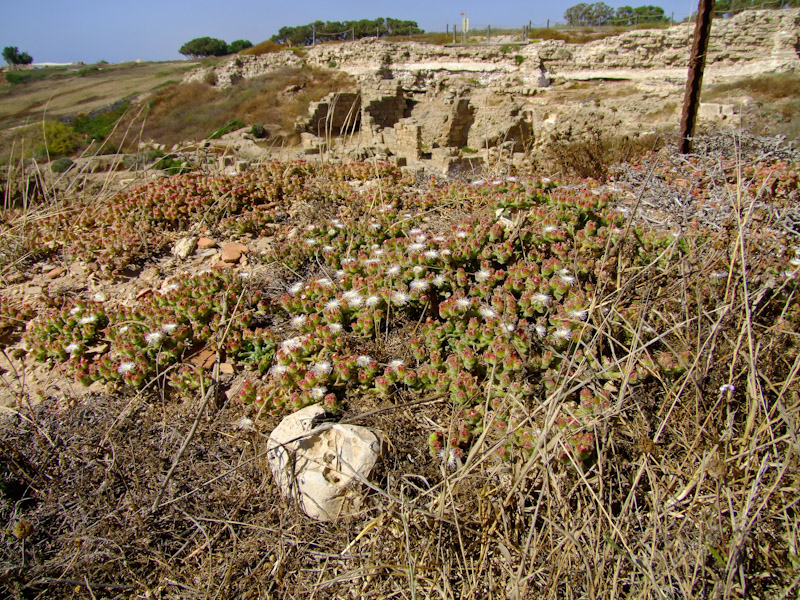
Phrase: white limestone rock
pixel 322 465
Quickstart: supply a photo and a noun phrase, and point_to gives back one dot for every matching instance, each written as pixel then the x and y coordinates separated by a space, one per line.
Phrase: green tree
pixel 14 57
pixel 598 13
pixel 238 46
pixel 204 46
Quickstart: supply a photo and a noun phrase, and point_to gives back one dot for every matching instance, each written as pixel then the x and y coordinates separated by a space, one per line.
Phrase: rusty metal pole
pixel 697 63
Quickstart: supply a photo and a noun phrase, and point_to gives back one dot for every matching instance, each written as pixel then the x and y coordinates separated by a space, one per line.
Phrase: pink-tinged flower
pixel 463 303
pixel 153 338
pixel 372 301
pixel 393 271
pixel 296 288
pixel 318 392
pixel 169 327
pixel 298 321
pixel 333 304
pixel 541 330
pixel 363 361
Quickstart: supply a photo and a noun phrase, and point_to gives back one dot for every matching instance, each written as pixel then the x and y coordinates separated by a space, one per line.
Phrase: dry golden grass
pixel 192 111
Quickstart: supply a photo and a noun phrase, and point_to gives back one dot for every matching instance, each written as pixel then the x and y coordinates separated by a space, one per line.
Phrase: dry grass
pixel 183 112
pixel 692 493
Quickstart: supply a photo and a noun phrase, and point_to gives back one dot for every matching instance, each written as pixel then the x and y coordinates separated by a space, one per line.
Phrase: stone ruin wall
pixel 419 102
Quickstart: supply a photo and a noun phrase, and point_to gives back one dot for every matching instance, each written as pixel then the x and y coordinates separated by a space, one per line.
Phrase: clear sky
pixel 94 30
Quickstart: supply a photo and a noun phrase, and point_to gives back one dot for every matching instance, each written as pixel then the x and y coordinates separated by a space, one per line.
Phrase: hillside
pixel 553 365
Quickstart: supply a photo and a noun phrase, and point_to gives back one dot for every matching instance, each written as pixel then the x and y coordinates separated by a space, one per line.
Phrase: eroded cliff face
pixel 451 108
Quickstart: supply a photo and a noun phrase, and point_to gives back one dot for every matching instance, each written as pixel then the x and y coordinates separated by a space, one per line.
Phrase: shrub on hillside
pixel 227 128
pixel 59 140
pixel 204 46
pixel 239 45
pixel 61 165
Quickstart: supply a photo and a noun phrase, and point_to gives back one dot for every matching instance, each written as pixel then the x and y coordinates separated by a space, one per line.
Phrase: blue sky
pixel 93 30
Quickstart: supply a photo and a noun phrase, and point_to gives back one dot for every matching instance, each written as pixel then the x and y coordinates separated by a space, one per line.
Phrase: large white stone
pixel 322 465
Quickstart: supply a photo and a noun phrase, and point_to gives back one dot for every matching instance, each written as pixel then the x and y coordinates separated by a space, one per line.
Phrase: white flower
pixel 568 279
pixel 335 327
pixel 580 315
pixel 296 288
pixel 125 367
pixel 549 228
pixel 337 223
pixel 124 329
pixel 450 456
pixel 541 330
pixel 372 301
pixel 419 285
pixel 511 179
pixel 292 343
pixel 393 270
pixel 487 312
pixel 396 364
pixel 418 270
pixel 244 275
pixel 378 252
pixel 416 247
pixel 439 280
pixel 431 254
pixel 75 310
pixel 363 361
pixel 278 370
pixel 333 304
pixel 717 275
pixel 310 227
pixel 324 282
pixel 169 327
pixel 153 338
pixel 461 234
pixel 563 334
pixel 795 262
pixel 298 321
pixel 310 241
pixel 482 275
pixel 340 274
pixel 245 424
pixel 328 248
pixel 463 303
pixel 99 297
pixel 446 252
pixel 318 392
pixel 415 231
pixel 368 262
pixel 507 327
pixel 321 368
pixel 72 348
pixel 400 298
pixel 541 298
pixel 353 298
pixel 478 182
pixel 88 319
pixel 348 260
pixel 375 225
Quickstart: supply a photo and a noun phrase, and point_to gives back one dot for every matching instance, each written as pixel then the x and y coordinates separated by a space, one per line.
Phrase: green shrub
pixel 97 126
pixel 258 131
pixel 204 46
pixel 59 139
pixel 239 45
pixel 227 128
pixel 519 59
pixel 60 165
